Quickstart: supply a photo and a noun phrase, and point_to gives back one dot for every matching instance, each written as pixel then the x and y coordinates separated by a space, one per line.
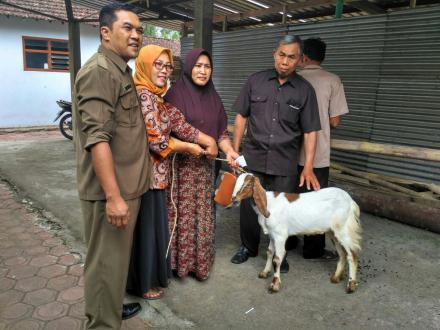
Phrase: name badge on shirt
pixel 125 90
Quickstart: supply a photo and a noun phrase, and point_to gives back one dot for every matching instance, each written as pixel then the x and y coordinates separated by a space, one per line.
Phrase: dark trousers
pixel 314 244
pixel 249 227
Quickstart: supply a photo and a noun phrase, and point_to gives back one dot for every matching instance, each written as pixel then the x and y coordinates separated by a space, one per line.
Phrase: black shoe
pixel 284 268
pixel 241 256
pixel 324 255
pixel 291 243
pixel 130 310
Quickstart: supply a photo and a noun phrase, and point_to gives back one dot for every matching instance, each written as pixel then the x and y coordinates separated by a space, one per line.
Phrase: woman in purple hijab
pixel 194 94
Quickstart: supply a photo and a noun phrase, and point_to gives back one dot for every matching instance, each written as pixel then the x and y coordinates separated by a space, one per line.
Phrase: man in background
pixel 332 104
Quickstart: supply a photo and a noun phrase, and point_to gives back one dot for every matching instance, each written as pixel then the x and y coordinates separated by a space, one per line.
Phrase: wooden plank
pixel 375 179
pixel 385 191
pixel 203 12
pixel 348 178
pixel 69 10
pixel 368 7
pixel 387 149
pixel 74 44
pixel 411 183
pixel 398 208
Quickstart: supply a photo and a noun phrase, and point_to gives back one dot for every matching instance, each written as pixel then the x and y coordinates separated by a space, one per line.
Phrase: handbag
pixel 223 195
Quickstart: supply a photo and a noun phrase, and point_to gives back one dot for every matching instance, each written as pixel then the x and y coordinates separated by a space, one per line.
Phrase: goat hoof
pixel 263 275
pixel 335 279
pixel 273 289
pixel 275 285
pixel 351 286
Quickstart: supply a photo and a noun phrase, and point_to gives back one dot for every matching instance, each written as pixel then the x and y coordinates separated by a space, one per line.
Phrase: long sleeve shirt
pixel 106 109
pixel 161 121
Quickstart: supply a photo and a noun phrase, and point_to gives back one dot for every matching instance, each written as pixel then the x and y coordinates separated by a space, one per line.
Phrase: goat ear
pixel 260 199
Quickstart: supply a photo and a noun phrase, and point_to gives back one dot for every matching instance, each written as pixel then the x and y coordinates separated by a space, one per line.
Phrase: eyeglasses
pixel 160 65
pixel 199 66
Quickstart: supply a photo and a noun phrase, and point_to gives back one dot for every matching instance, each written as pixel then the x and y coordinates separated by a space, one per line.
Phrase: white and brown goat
pixel 280 215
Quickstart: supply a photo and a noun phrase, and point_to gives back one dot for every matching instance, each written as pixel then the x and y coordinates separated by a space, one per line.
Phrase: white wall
pixel 27 98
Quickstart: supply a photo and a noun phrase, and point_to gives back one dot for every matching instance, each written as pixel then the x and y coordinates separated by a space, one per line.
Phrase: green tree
pixel 158 32
pixel 151 30
pixel 175 35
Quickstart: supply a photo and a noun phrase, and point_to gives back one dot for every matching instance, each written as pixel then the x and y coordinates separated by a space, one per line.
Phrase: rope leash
pixel 239 169
pixel 174 204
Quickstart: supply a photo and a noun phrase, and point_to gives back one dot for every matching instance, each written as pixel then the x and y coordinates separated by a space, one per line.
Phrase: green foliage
pixel 151 30
pixel 158 32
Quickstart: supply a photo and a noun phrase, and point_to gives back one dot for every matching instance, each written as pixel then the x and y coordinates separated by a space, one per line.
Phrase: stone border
pixel 27 129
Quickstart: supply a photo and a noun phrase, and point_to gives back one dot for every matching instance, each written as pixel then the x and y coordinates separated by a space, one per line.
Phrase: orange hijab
pixel 144 65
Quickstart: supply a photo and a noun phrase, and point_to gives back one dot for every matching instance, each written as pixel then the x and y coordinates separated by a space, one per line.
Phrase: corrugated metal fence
pixel 390 66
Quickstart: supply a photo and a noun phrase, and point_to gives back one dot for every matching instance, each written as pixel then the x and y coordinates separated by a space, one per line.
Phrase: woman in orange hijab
pixel 149 265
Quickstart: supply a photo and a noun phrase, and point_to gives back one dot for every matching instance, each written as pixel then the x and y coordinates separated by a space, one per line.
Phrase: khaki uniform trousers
pixel 106 266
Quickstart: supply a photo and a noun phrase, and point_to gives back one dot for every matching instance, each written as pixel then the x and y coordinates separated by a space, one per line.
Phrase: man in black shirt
pixel 280 110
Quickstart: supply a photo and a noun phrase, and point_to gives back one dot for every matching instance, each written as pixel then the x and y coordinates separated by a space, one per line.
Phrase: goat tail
pixel 354 226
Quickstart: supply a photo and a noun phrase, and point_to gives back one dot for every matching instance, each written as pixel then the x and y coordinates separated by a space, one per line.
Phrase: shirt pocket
pixel 289 113
pixel 129 114
pixel 258 102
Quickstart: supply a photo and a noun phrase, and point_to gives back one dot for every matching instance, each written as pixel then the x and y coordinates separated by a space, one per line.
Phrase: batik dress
pixel 149 266
pixel 192 244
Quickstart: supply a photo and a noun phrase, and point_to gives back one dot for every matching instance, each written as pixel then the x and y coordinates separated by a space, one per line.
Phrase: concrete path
pixel 398 274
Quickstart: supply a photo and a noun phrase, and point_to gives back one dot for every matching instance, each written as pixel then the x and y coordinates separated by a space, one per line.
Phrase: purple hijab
pixel 201 105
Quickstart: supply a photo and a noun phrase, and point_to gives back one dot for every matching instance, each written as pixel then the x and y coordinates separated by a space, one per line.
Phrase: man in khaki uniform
pixel 332 104
pixel 112 164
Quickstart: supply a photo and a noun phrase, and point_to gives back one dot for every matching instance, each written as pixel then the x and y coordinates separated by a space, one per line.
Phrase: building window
pixel 42 54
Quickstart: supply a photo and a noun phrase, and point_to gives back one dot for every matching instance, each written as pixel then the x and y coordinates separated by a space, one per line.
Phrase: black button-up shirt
pixel 278 115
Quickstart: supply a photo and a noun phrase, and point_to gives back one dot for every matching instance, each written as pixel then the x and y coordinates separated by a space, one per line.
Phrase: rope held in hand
pixel 172 197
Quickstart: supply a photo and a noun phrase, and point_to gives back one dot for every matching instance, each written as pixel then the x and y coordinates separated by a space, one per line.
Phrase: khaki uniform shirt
pixel 106 109
pixel 331 103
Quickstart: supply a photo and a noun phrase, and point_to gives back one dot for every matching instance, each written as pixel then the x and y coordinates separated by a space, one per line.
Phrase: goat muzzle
pixel 236 200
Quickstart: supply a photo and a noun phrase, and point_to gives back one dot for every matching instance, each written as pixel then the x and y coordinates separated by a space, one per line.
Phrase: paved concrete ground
pixel 41 282
pixel 399 265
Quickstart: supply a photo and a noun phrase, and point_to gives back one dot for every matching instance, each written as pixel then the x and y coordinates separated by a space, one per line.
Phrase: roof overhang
pixel 228 14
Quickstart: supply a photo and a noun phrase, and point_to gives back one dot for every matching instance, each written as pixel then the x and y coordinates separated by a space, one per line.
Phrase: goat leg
pixel 266 271
pixel 280 252
pixel 336 278
pixel 276 282
pixel 352 264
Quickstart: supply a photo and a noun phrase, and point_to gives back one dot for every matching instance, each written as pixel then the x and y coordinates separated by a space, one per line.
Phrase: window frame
pixel 49 53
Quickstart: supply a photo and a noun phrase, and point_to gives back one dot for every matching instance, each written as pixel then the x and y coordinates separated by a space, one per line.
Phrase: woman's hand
pixel 211 151
pixel 209 144
pixel 231 156
pixel 195 150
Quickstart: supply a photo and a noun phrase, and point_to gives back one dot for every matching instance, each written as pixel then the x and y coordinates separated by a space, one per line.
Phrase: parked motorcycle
pixel 65 114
